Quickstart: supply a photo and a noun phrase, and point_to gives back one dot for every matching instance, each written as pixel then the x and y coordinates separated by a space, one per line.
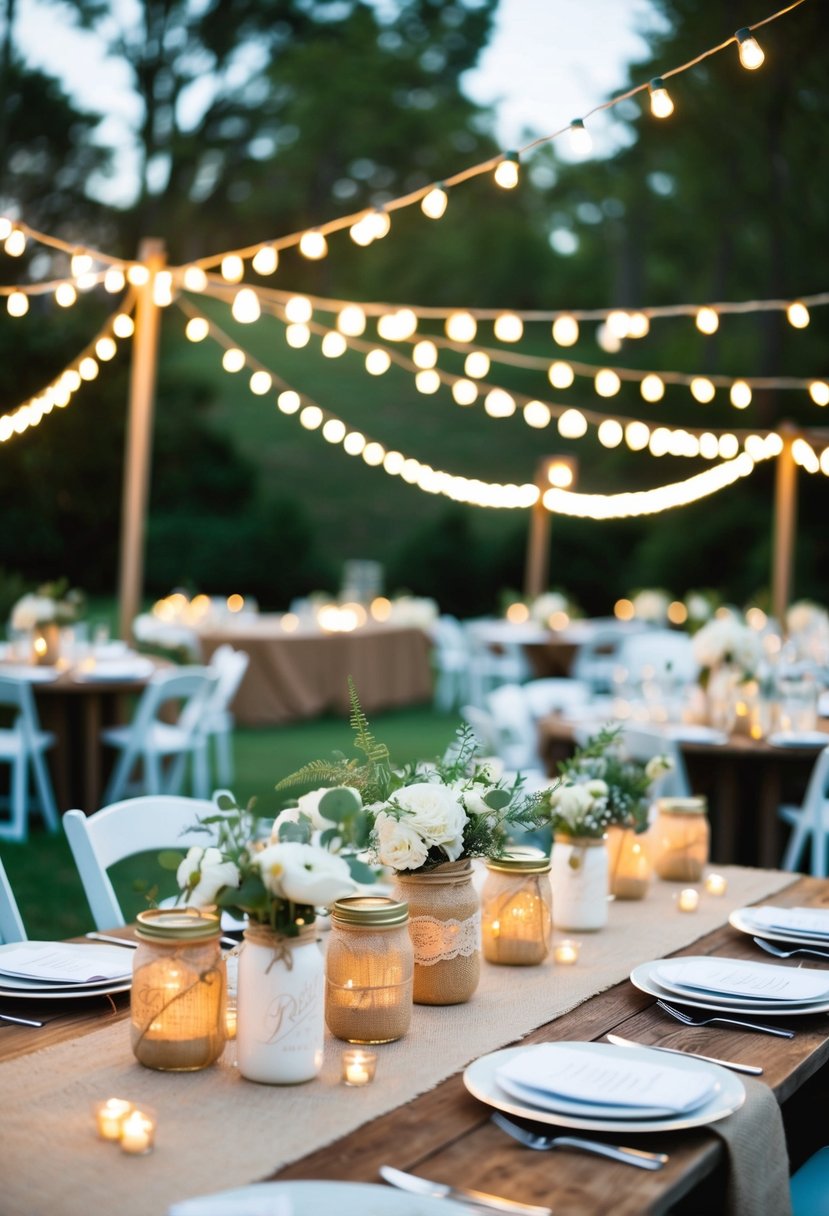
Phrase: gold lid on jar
pixel 370 911
pixel 521 860
pixel 696 805
pixel 177 925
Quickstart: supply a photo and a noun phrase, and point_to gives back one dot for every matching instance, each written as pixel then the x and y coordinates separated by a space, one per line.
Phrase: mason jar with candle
pixel 369 970
pixel 177 1003
pixel 517 908
pixel 680 838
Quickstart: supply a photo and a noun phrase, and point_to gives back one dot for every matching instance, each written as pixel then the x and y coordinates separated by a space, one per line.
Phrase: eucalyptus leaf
pixel 339 804
pixel 360 872
pixel 497 799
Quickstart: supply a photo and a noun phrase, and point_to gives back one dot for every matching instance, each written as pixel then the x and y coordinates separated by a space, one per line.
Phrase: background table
pixel 305 674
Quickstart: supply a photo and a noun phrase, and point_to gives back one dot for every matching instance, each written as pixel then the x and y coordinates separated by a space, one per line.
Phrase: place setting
pixel 734 986
pixel 62 970
pixel 801 928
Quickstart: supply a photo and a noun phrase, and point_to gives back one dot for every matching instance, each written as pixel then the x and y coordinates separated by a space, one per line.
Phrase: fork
pixel 695 1020
pixel 770 948
pixel 541 1143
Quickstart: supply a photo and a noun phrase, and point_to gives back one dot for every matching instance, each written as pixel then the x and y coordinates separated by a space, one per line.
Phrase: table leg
pixel 770 797
pixel 91 753
pixel 724 825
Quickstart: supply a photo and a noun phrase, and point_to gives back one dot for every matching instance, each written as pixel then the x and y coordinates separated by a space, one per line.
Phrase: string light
pixel 537 414
pixel 114 280
pixel 17 304
pixel 297 336
pixel 65 295
pixel 15 243
pixel 638 325
pixel 580 140
pixel 461 327
pixel 106 349
pixel 138 275
pixel 477 364
pixel 311 417
pixel 749 49
pixel 618 323
pixel 572 424
pixel 702 390
pixel 299 309
pixel 260 383
pixel 661 104
pixel 610 433
pixel 464 392
pixel 354 443
pixel 377 362
pixel 740 395
pixel 427 381
pixel 265 260
pixel 123 325
pixel 232 268
pixel 351 321
pixel 334 431
pixel 797 315
pixel 434 202
pixel 334 345
pixel 637 435
pixel 803 454
pixel 565 330
pixel 194 279
pixel 163 288
pixel 509 327
pixel 560 375
pixel 819 392
pixel 425 354
pixel 707 321
pixel 507 172
pixel 80 264
pixel 245 308
pixel 498 403
pixel 288 401
pixel 652 388
pixel 196 329
pixel 313 245
pixel 5 227
pixel 233 360
pixel 607 382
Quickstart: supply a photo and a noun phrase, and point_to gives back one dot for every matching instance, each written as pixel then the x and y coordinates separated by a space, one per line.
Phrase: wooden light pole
pixel 785 523
pixel 559 472
pixel 138 443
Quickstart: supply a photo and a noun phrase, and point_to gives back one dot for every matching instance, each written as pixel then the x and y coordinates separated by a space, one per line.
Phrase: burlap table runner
pixel 216 1130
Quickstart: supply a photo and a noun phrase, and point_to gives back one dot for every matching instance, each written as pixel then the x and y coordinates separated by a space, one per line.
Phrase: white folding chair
pixel 150 739
pixel 22 747
pixel 217 720
pixel 810 821
pixel 493 659
pixel 516 730
pixel 643 744
pixel 660 655
pixel 135 825
pixel 555 694
pixel 451 662
pixel 11 922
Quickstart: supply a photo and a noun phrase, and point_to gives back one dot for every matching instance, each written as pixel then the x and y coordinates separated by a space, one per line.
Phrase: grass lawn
pixel 43 874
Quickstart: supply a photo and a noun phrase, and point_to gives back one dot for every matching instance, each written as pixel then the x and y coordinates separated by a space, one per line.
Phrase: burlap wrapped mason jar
pixel 445 928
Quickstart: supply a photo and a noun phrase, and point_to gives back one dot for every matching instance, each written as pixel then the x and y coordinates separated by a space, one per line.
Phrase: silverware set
pixel 542 1143
pixel 708 1019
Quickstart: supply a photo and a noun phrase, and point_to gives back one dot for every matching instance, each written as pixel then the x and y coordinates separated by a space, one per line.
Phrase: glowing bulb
pixel 560 474
pixel 661 104
pixel 88 368
pixel 427 381
pixel 114 280
pixel 537 414
pixel 334 431
pixel 334 345
pixel 373 453
pixel 749 49
pixel 138 275
pixel 707 320
pixel 728 446
pixel 565 331
pixel 393 463
pixel 311 417
pixel 65 295
pixel 606 382
pixel 434 203
pixel 476 364
pixel 709 447
pixel 380 222
pixel 351 321
pixel 560 375
pixel 260 383
pixel 233 360
pixel 774 444
pixel 288 401
pixel 607 341
pixel 5 227
pixel 461 327
pixel 740 394
pixel 465 392
pixel 232 268
pixel 702 390
pixel 638 325
pixel 362 231
pixel 798 315
pixel 194 279
pixel 297 336
pixel 507 171
pixel 163 288
pixel 299 309
pixel 265 260
pixel 245 307
pixel 652 388
pixel 17 304
pixel 572 424
pixel 637 435
pixel 123 326
pixel 580 140
pixel 71 380
pixel 80 263
pixel 425 354
pixel 508 327
pixel 824 461
pixel 354 443
pixel 819 392
pixel 377 362
pixel 105 349
pixel 618 323
pixel 313 245
pixel 15 243
pixel 499 404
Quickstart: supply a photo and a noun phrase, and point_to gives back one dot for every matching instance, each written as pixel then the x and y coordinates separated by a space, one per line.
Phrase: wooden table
pixel 446 1134
pixel 745 781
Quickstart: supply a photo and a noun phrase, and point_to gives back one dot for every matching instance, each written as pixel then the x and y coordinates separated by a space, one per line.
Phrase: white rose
pixel 656 766
pixel 398 844
pixel 436 814
pixel 203 873
pixel 304 874
pixel 572 802
pixel 699 608
pixel 32 610
pixel 596 788
pixel 472 798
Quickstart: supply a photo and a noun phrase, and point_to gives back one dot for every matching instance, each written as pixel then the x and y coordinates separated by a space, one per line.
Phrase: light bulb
pixel 105 349
pixel 465 392
pixel 425 354
pixel 499 404
pixel 114 280
pixel 618 323
pixel 606 382
pixel 233 360
pixel 65 295
pixel 476 364
pixel 351 321
pixel 80 263
pixel 702 390
pixel 461 327
pixel 580 140
pixel 740 394
pixel 537 414
pixel 560 375
pixel 17 304
pixel 311 417
pixel 333 431
pixel 334 345
pixel 661 104
pixel 362 231
pixel 380 223
pixel 194 279
pixel 572 424
pixel 232 268
pixel 560 474
pixel 260 383
pixel 71 380
pixel 637 435
pixel 5 227
pixel 163 288
pixel 638 325
pixel 609 343
pixel 749 49
pixel 427 381
pixel 819 392
pixel 707 320
pixel 508 327
pixel 245 307
pixel 297 335
pixel 433 204
pixel 377 362
pixel 709 447
pixel 299 309
pixel 507 171
pixel 123 326
pixel 797 315
pixel 565 331
pixel 373 453
pixel 265 260
pixel 88 368
pixel 138 274
pixel 197 329
pixel 652 388
pixel 15 243
pixel 288 401
pixel 313 245
pixel 354 443
pixel 728 446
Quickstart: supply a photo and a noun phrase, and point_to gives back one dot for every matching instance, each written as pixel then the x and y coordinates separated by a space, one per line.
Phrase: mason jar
pixel 680 838
pixel 517 908
pixel 369 970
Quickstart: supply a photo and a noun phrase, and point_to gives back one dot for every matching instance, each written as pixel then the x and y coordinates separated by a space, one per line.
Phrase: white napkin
pixel 735 977
pixel 608 1078
pixel 257 1200
pixel 813 922
pixel 65 962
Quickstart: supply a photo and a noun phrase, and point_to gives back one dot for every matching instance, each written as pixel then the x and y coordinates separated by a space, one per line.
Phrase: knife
pixel 753 1070
pixel 440 1190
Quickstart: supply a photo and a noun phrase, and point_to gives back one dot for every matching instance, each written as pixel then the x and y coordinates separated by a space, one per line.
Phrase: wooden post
pixel 785 522
pixel 561 472
pixel 138 443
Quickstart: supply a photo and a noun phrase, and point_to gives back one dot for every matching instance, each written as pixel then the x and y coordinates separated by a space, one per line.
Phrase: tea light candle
pixel 716 884
pixel 138 1133
pixel 358 1067
pixel 566 951
pixel 109 1117
pixel 688 900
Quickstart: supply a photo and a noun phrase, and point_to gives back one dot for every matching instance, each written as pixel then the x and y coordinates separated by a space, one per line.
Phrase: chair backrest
pixel 229 666
pixel 643 744
pixel 814 814
pixel 658 654
pixel 11 922
pixel 595 658
pixel 191 686
pixel 448 634
pixel 482 724
pixel 18 694
pixel 555 694
pixel 135 825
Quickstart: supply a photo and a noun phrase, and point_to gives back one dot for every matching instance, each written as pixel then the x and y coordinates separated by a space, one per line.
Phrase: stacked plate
pixel 803 926
pixel 732 985
pixel 604 1088
pixel 61 971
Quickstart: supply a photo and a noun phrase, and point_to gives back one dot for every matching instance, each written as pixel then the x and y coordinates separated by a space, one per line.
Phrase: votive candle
pixel 138 1133
pixel 688 900
pixel 566 951
pixel 359 1067
pixel 109 1117
pixel 716 884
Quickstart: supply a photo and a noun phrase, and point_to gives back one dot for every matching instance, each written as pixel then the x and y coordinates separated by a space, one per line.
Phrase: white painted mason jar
pixel 280 1028
pixel 579 877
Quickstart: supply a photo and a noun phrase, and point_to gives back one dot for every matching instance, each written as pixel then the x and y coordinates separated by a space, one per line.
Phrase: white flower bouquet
pixel 53 603
pixel 727 640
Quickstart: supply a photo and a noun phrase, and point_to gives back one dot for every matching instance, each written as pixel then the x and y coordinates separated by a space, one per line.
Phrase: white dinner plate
pixel 24 984
pixel 127 669
pixel 25 671
pixel 65 994
pixel 799 738
pixel 479 1079
pixel 317 1199
pixel 643 978
pixel 669 974
pixel 740 919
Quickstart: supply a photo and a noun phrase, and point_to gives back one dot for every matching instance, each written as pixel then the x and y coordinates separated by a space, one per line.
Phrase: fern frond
pixel 321 772
pixel 375 753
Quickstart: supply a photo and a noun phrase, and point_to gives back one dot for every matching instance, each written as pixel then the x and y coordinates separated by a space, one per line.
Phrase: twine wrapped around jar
pixel 445 928
pixel 369 970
